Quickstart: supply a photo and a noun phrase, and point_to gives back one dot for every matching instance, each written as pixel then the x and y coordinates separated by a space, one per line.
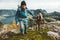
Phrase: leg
pixel 38 27
pixel 26 27
pixel 22 27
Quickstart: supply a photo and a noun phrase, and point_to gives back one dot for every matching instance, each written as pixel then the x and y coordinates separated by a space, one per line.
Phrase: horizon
pixel 30 9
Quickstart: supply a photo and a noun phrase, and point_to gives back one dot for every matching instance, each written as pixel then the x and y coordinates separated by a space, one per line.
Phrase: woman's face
pixel 23 7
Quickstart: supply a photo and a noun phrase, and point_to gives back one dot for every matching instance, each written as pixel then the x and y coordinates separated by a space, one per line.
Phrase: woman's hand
pixel 17 24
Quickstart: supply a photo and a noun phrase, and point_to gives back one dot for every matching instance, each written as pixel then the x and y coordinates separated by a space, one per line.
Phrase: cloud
pixel 8 6
pixel 49 5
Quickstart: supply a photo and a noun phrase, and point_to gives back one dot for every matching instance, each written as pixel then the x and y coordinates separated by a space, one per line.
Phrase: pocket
pixel 19 19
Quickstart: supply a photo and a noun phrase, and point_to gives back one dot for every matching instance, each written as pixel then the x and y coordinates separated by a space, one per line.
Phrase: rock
pixel 53 34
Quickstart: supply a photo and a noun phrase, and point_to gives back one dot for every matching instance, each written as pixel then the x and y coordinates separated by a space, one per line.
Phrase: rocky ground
pixel 31 34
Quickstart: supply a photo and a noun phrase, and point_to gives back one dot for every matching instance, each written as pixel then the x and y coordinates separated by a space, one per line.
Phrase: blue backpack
pixel 20 15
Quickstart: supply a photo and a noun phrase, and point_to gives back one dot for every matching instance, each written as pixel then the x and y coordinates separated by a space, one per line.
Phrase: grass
pixel 32 35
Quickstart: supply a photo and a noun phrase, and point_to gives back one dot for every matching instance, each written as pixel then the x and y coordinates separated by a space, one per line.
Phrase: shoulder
pixel 28 10
pixel 19 9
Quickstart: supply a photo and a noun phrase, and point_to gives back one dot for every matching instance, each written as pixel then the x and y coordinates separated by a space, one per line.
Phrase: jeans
pixel 23 25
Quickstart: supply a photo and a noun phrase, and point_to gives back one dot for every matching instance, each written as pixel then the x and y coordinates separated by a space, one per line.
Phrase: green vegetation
pixel 32 35
pixel 48 19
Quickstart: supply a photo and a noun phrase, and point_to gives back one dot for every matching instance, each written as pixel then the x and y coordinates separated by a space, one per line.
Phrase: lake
pixel 8 20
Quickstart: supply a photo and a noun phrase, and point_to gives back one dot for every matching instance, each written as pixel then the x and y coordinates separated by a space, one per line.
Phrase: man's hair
pixel 23 3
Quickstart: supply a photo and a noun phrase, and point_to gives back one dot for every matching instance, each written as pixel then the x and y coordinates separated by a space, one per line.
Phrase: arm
pixel 16 16
pixel 30 12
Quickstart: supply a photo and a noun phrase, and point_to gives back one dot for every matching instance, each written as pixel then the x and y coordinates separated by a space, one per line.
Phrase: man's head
pixel 23 5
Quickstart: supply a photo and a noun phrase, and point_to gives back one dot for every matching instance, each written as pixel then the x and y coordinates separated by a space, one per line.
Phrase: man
pixel 21 16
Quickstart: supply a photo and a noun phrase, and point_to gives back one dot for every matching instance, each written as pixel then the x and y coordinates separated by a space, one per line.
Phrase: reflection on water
pixel 8 20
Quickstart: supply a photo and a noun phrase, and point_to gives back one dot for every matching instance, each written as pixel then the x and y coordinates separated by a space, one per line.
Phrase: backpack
pixel 20 15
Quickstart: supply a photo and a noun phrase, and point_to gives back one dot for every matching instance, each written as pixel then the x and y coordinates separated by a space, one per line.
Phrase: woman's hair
pixel 23 3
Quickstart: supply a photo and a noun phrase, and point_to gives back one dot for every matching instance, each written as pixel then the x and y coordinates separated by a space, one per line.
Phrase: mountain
pixel 54 14
pixel 36 12
pixel 7 12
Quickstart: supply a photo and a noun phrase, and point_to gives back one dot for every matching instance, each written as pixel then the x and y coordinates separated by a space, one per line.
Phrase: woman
pixel 39 20
pixel 21 16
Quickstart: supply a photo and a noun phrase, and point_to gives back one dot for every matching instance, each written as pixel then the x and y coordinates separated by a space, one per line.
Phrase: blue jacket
pixel 22 14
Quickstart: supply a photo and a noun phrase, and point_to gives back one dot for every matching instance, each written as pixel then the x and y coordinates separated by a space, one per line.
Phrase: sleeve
pixel 30 12
pixel 16 16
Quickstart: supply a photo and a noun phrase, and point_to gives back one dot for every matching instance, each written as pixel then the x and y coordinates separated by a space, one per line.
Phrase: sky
pixel 48 5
